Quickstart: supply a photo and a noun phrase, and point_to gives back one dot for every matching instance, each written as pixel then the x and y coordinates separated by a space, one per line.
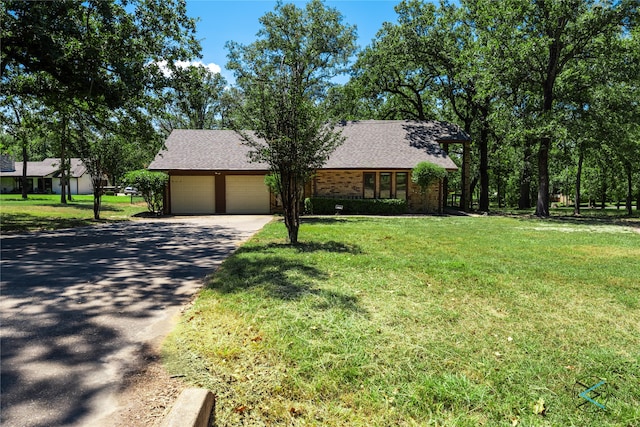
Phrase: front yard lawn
pixel 45 212
pixel 455 321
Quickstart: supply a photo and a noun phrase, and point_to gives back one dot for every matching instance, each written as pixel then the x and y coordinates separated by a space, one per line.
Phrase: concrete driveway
pixel 79 306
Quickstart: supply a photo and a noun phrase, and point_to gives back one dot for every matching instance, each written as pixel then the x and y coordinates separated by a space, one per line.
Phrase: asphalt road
pixel 78 307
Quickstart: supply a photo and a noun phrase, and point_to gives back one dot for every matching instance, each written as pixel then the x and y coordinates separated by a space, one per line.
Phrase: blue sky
pixel 224 20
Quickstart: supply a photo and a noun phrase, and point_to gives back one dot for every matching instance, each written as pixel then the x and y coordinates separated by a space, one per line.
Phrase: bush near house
pixel 327 206
pixel 151 186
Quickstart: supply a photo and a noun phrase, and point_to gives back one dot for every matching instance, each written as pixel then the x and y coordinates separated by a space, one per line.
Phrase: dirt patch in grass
pixel 147 394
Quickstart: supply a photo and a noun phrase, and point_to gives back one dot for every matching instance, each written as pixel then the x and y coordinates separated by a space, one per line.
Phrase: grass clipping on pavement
pixel 420 321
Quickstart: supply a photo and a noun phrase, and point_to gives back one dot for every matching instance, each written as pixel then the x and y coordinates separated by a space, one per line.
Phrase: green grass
pixel 453 321
pixel 45 212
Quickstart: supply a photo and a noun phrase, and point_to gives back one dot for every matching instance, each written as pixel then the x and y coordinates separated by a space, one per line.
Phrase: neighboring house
pixel 210 171
pixel 43 177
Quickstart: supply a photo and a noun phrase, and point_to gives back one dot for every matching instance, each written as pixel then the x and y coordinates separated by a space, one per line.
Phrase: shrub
pixel 271 181
pixel 426 173
pixel 308 206
pixel 150 185
pixel 327 206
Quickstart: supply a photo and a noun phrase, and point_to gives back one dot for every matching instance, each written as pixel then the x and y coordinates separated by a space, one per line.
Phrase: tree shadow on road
pixel 75 304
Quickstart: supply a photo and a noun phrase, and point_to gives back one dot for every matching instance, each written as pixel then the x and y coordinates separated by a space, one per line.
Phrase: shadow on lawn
pixel 281 278
pixel 84 206
pixel 330 246
pixel 329 220
pixel 592 217
pixel 20 223
pixel 333 220
pixel 598 220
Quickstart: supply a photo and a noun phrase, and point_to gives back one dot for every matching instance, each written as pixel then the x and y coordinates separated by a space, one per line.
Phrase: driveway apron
pixel 78 307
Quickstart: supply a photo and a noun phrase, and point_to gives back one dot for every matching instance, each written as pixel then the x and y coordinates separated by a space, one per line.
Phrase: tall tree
pixel 539 41
pixel 18 116
pixel 284 76
pixel 105 140
pixel 92 55
pixel 426 67
pixel 393 68
pixel 193 100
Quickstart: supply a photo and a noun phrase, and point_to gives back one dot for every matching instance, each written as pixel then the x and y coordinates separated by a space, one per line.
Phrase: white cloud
pixel 214 68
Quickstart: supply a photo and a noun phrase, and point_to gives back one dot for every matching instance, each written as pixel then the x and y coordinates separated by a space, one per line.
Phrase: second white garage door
pixel 247 194
pixel 193 195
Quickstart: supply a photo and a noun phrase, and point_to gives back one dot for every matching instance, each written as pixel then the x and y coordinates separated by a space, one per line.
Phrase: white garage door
pixel 193 195
pixel 247 194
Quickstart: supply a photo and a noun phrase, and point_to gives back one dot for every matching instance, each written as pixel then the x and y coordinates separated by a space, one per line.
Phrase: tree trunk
pixel 292 221
pixel 96 205
pixel 524 201
pixel 63 187
pixel 542 205
pixel 629 189
pixel 69 197
pixel 292 232
pixel 290 194
pixel 63 163
pixel 466 201
pixel 445 181
pixel 25 159
pixel 555 47
pixel 576 206
pixel 472 189
pixel 484 161
pixel 97 198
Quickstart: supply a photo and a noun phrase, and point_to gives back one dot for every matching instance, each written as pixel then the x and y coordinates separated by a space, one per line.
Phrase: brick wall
pixel 416 200
pixel 338 183
pixel 349 184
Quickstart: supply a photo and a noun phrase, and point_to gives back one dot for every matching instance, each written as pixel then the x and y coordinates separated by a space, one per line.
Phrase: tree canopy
pixel 194 99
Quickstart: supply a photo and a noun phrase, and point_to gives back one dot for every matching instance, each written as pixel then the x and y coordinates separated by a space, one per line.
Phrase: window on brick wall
pixel 369 185
pixel 401 185
pixel 385 185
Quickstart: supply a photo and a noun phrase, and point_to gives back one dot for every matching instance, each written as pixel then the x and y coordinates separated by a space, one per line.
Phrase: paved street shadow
pixel 74 305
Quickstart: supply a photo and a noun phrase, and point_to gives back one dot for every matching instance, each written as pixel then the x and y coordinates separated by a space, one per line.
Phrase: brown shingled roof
pixel 369 144
pixel 394 144
pixel 188 149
